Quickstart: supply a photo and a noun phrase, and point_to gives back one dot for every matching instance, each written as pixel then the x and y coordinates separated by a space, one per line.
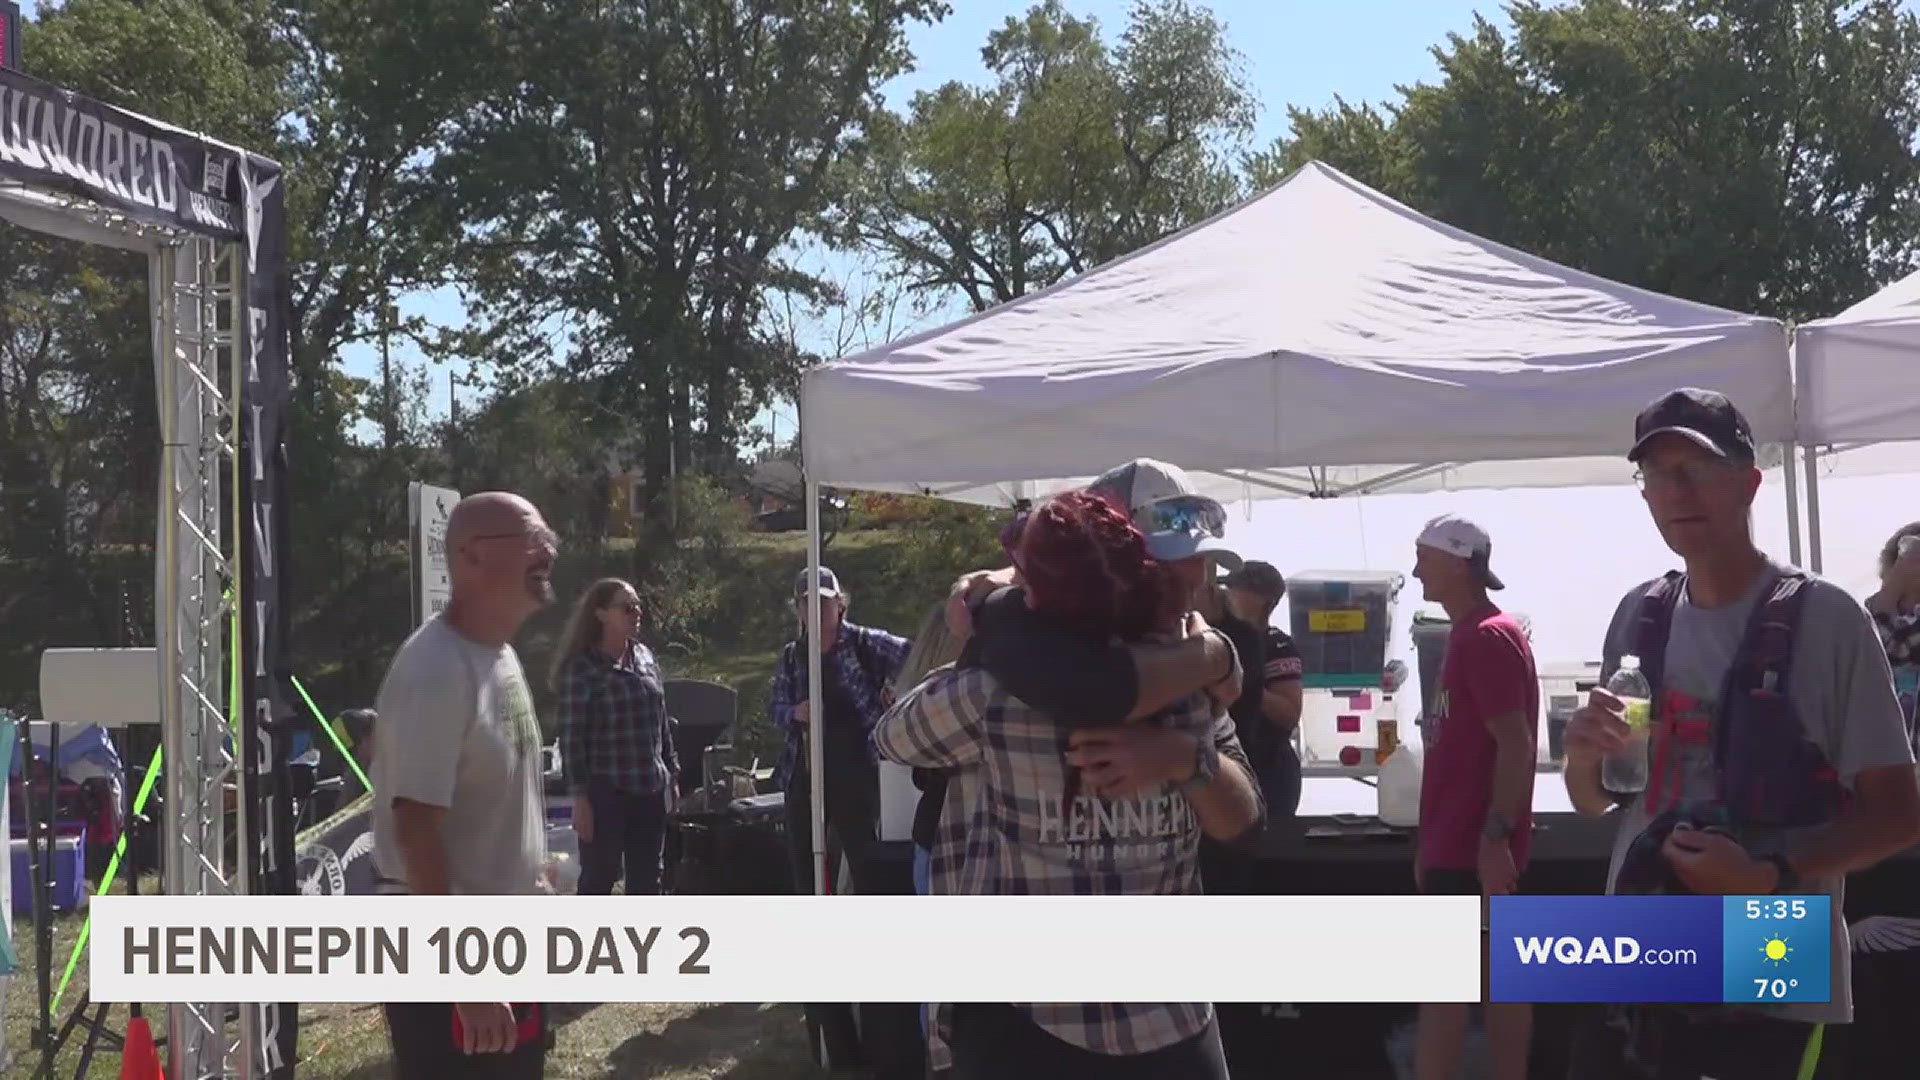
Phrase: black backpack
pixel 1771 775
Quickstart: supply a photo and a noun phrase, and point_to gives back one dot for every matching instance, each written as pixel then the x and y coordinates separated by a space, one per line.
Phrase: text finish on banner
pixel 752 949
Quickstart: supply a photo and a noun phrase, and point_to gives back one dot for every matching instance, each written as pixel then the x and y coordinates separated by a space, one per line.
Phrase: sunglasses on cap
pixel 1184 514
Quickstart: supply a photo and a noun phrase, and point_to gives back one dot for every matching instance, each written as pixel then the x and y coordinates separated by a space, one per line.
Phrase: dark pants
pixel 1224 871
pixel 1282 791
pixel 423 1048
pixel 1667 1044
pixel 626 828
pixel 852 824
pixel 995 1042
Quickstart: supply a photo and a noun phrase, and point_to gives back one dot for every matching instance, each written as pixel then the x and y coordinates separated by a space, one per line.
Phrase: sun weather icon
pixel 1776 950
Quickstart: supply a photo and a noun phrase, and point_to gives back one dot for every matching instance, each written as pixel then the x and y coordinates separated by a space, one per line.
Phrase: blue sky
pixel 1296 52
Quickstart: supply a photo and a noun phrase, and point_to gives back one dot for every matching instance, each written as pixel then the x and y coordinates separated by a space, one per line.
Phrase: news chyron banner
pixel 1765 950
pixel 789 948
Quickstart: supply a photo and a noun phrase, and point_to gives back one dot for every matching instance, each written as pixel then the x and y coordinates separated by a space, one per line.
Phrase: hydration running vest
pixel 1770 774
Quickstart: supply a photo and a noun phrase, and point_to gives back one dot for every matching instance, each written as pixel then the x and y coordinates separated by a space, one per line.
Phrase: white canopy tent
pixel 1317 340
pixel 1858 383
pixel 1859 371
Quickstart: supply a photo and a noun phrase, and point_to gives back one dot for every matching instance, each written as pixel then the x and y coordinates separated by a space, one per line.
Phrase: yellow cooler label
pixel 1342 621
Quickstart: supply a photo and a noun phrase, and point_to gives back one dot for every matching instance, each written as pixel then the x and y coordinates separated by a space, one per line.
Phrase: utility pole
pixel 389 411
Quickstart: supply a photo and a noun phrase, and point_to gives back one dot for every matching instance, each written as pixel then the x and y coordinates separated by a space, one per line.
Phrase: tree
pixel 632 183
pixel 373 83
pixel 1360 140
pixel 1078 153
pixel 352 97
pixel 1755 155
pixel 78 425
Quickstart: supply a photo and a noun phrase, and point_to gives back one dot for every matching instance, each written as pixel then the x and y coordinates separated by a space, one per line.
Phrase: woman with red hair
pixel 1046 817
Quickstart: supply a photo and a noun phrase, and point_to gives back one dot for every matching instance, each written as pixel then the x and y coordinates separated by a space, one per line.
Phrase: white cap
pixel 1457 536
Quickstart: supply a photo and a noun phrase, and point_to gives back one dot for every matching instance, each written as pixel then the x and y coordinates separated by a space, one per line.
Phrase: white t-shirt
pixel 457 729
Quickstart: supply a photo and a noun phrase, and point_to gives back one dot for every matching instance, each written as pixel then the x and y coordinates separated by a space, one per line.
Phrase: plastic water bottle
pixel 1625 770
pixel 1398 787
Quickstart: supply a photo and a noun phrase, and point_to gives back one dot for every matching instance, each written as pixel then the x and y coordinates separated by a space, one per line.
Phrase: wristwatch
pixel 1495 828
pixel 1789 881
pixel 1206 764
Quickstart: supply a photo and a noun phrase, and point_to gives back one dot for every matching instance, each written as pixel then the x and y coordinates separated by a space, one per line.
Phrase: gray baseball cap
pixel 1178 521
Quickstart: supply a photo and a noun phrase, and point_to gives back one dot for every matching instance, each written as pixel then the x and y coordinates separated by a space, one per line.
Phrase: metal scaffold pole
pixel 198 382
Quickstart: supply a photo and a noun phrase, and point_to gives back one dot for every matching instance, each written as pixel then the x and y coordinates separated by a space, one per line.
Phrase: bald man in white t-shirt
pixel 457 775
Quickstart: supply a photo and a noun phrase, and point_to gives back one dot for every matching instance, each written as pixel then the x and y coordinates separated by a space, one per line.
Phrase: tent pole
pixel 1813 509
pixel 816 746
pixel 1793 505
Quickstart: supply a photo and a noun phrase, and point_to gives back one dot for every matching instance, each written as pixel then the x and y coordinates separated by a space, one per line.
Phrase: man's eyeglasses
pixel 1186 514
pixel 1689 474
pixel 534 538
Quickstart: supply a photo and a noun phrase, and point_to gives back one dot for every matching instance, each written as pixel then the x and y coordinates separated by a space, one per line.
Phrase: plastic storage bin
pixel 1340 730
pixel 69 876
pixel 1342 623
pixel 1430 632
pixel 1563 689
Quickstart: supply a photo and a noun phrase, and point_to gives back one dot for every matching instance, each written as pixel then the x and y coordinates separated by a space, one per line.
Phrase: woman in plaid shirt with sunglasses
pixel 1060 810
pixel 615 742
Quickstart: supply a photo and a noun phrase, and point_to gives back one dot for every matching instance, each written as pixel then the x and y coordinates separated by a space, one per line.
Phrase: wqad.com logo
pixel 1598 950
pixel 1605 948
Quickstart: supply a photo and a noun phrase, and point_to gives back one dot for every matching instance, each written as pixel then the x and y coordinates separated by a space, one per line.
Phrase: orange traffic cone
pixel 140 1060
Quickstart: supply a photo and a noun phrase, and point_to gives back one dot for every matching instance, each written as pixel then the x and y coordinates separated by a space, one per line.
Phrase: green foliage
pixel 629 187
pixel 690 601
pixel 947 540
pixel 78 427
pixel 1756 156
pixel 1077 153
pixel 207 65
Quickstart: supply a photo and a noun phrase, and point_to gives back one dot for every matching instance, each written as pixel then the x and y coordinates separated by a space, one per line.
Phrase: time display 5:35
pixel 1777 909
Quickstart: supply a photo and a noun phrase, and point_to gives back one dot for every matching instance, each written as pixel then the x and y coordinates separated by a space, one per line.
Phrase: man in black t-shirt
pixel 1269 707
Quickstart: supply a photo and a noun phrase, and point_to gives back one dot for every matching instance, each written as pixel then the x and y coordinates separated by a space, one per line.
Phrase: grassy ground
pixel 348 1042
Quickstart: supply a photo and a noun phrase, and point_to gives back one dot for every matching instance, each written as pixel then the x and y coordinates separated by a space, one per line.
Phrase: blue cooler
pixel 69 875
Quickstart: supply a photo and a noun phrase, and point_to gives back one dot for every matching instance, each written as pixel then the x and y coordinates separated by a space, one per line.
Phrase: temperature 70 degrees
pixel 1772 988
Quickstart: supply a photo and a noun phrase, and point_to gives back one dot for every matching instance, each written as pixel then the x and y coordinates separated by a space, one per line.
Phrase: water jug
pixel 1398 786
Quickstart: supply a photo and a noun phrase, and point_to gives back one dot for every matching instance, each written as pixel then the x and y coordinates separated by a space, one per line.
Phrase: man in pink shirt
pixel 1476 791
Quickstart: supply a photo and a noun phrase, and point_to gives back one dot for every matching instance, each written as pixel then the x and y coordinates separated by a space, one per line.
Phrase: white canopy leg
pixel 1793 505
pixel 1813 508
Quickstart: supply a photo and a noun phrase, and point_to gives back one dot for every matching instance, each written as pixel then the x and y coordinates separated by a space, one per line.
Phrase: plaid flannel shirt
pixel 613 722
pixel 863 662
pixel 1008 828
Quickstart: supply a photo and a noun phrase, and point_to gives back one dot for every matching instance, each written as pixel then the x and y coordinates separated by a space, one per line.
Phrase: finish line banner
pixel 800 948
pixel 1666 949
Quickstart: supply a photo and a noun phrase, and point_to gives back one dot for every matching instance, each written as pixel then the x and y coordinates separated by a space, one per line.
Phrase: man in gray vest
pixel 1851 777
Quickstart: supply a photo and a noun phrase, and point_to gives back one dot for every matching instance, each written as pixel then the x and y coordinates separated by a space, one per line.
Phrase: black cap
pixel 1704 416
pixel 1261 578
